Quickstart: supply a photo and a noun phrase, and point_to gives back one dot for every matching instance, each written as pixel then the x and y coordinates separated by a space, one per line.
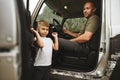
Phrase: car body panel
pixel 9 39
pixel 16 62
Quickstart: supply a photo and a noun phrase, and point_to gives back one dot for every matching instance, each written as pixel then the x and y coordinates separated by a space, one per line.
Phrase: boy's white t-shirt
pixel 44 55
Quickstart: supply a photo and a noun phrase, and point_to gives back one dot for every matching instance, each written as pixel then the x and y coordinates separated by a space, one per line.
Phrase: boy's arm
pixel 55 44
pixel 38 38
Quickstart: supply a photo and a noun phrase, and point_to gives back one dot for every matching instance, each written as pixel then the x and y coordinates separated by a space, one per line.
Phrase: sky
pixel 32 4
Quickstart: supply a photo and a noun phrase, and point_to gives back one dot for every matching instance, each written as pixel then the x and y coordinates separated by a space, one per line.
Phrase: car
pixel 17 53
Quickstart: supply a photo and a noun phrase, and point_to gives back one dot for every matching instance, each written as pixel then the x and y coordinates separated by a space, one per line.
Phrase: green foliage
pixel 74 24
pixel 48 15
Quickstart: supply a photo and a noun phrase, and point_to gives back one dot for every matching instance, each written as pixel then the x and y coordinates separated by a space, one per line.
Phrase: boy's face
pixel 43 31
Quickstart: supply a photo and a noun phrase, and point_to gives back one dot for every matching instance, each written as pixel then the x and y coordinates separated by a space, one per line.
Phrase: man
pixel 89 34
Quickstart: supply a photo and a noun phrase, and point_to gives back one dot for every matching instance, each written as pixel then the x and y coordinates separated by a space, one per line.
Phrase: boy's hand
pixel 33 30
pixel 54 34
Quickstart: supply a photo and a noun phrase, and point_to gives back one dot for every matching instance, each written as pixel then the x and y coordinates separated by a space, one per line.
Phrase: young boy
pixel 44 53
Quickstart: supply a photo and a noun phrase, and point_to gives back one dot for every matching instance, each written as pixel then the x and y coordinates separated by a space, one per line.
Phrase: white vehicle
pixel 16 52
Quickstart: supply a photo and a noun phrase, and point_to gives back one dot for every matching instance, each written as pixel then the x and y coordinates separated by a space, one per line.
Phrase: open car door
pixel 67 65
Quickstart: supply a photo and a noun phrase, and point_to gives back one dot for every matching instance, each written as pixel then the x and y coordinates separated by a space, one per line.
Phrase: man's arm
pixel 70 33
pixel 83 38
pixel 92 26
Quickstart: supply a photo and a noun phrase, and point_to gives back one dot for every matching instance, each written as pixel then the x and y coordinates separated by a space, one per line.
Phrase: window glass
pixel 32 4
pixel 47 14
pixel 25 2
pixel 73 24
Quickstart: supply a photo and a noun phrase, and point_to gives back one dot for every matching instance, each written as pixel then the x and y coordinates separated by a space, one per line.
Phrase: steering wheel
pixel 56 22
pixel 57 27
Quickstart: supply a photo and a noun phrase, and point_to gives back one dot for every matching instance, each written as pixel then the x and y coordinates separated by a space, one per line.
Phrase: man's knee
pixel 61 40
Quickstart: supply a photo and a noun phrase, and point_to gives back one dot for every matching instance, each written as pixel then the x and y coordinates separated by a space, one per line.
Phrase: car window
pixel 73 24
pixel 47 14
pixel 25 2
pixel 32 4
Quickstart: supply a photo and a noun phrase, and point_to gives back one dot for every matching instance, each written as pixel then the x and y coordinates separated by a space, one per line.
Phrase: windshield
pixel 73 24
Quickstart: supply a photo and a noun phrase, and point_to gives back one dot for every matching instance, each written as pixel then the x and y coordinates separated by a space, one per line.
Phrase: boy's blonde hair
pixel 42 23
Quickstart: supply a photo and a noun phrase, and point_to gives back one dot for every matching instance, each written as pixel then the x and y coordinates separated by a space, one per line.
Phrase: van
pixel 17 53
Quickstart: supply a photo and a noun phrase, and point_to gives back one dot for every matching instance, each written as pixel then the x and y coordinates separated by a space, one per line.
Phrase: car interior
pixel 66 10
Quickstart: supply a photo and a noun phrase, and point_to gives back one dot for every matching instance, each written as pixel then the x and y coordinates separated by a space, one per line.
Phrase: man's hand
pixel 65 30
pixel 70 33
